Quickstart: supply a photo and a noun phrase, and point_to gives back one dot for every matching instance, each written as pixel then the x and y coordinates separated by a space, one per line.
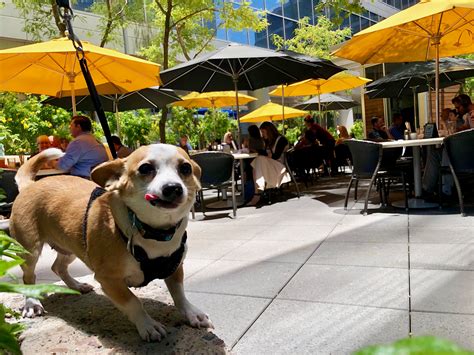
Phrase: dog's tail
pixel 27 172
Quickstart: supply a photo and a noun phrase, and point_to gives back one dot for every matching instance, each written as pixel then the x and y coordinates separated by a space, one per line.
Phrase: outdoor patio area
pixel 298 276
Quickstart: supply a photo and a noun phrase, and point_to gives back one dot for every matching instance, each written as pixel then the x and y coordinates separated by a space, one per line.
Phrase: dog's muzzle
pixel 171 195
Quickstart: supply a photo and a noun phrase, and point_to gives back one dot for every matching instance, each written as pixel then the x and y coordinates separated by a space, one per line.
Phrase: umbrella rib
pixel 461 17
pixel 281 71
pixel 146 99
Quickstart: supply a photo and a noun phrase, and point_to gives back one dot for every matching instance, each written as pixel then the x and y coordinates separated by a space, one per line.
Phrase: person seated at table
pixel 43 143
pixel 343 135
pixel 184 143
pixel 315 134
pixel 84 152
pixel 228 142
pixel 121 150
pixel 379 131
pixel 462 104
pixel 397 129
pixel 256 143
pixel 54 140
pixel 269 170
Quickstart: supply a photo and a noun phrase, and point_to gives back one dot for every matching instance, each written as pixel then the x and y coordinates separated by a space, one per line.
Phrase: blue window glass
pixel 306 10
pixel 290 9
pixel 237 36
pixel 345 22
pixel 355 23
pixel 273 6
pixel 258 4
pixel 82 5
pixel 290 27
pixel 259 39
pixel 275 26
pixel 364 23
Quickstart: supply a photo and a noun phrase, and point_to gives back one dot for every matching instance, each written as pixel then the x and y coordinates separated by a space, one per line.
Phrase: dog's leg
pixel 32 307
pixel 60 266
pixel 193 315
pixel 130 305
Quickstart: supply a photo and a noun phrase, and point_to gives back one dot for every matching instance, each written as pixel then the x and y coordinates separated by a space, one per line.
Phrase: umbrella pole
pixel 117 115
pixel 236 80
pixel 283 107
pixel 73 95
pixel 415 104
pixel 437 42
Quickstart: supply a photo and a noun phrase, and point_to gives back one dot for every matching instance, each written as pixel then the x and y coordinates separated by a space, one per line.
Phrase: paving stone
pixel 442 234
pixel 292 327
pixel 442 256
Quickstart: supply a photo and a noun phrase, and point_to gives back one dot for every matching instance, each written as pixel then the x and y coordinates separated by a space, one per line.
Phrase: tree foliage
pixel 340 9
pixel 316 40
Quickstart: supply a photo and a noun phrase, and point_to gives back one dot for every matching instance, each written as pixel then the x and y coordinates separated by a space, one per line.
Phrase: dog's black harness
pixel 157 268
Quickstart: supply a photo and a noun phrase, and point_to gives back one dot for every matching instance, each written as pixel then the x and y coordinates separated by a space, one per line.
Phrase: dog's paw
pixel 84 287
pixel 196 318
pixel 32 308
pixel 151 330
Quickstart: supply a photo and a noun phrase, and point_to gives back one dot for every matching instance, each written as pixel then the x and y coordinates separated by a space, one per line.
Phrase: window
pixel 355 23
pixel 306 10
pixel 290 9
pixel 273 6
pixel 237 36
pixel 290 27
pixel 275 27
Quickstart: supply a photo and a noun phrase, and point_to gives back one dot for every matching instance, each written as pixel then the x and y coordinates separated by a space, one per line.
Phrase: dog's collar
pixel 148 232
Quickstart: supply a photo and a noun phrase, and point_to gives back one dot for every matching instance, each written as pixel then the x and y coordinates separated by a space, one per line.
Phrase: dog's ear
pixel 196 169
pixel 108 174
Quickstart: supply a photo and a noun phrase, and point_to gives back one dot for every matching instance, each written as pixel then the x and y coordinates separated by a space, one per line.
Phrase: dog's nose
pixel 171 192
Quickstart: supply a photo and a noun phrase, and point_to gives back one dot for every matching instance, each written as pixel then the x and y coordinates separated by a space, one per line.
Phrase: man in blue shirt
pixel 84 152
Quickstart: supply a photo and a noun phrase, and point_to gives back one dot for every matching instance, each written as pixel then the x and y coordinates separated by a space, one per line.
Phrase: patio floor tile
pixel 246 278
pixel 361 254
pixel 362 286
pixel 441 234
pixel 442 256
pixel 292 327
pixel 458 328
pixel 442 291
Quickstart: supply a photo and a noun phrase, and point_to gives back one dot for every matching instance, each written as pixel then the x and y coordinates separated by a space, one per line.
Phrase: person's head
pixel 342 131
pixel 445 114
pixel 377 122
pixel 452 115
pixel 462 103
pixel 54 140
pixel 397 120
pixel 116 142
pixel 43 143
pixel 183 140
pixel 308 121
pixel 228 138
pixel 80 124
pixel 63 143
pixel 254 132
pixel 269 132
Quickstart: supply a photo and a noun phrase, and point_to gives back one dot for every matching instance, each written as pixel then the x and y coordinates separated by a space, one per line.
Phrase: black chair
pixel 343 156
pixel 9 189
pixel 460 150
pixel 305 162
pixel 370 161
pixel 217 172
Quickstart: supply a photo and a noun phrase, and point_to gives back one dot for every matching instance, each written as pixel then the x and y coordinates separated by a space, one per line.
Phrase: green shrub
pixel 357 129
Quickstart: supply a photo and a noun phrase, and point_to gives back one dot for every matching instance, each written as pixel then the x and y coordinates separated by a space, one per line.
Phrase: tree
pixel 316 40
pixel 182 29
pixel 340 9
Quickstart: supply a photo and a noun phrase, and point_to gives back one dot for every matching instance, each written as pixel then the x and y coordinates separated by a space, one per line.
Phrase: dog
pixel 128 225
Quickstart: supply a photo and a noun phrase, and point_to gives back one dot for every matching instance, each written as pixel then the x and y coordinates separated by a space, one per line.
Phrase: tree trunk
pixel 57 18
pixel 162 124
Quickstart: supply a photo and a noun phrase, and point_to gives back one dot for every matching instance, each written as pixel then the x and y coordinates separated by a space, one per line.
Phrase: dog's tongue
pixel 151 197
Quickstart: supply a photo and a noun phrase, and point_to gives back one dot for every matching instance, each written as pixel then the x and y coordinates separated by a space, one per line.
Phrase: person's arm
pixel 70 158
pixel 280 147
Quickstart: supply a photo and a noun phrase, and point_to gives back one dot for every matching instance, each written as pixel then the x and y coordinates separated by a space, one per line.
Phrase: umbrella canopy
pixel 145 98
pixel 243 67
pixel 337 82
pixel 428 30
pixel 419 77
pixel 328 102
pixel 213 99
pixel 272 112
pixel 52 67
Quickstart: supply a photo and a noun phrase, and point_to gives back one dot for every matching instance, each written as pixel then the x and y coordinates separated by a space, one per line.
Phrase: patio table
pixel 416 144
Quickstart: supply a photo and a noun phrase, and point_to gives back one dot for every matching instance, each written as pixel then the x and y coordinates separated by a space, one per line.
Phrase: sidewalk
pixel 306 276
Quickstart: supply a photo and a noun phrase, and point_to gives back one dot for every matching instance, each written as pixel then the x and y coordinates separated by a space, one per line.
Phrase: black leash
pixel 67 16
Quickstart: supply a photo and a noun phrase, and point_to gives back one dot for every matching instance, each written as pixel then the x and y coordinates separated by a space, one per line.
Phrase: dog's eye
pixel 146 169
pixel 185 169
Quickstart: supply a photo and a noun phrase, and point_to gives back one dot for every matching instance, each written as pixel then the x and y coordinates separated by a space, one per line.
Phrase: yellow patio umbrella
pixel 52 67
pixel 337 82
pixel 213 99
pixel 273 112
pixel 428 30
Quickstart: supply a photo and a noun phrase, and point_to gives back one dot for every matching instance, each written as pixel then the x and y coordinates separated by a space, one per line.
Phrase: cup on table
pixel 413 135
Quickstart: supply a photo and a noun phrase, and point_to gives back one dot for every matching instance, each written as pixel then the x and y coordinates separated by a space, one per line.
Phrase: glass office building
pixel 283 16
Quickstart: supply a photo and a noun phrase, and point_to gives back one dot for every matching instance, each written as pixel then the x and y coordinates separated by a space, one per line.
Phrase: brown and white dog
pixel 128 233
